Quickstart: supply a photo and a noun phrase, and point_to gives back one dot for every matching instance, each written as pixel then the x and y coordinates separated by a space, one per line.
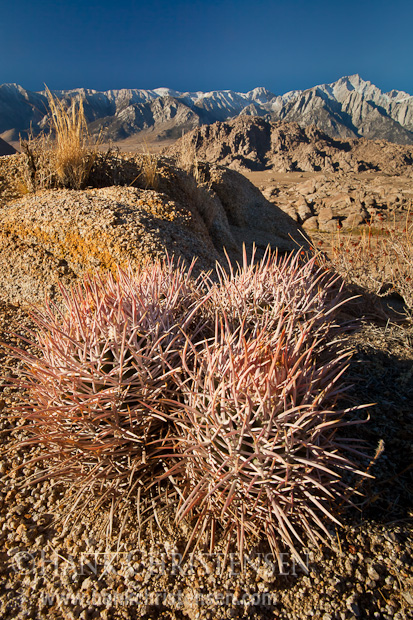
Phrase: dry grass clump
pixel 38 172
pixel 149 169
pixel 379 259
pixel 65 157
pixel 188 160
pixel 224 391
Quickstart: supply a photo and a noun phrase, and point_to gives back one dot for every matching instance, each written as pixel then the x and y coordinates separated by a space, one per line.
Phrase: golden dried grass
pixel 149 168
pixel 74 153
pixel 188 160
pixel 65 157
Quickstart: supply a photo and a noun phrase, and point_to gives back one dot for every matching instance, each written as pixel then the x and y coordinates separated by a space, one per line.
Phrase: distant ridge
pixel 6 149
pixel 348 108
pixel 252 143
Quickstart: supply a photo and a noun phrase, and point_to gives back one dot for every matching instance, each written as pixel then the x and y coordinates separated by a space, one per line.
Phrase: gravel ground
pixel 51 570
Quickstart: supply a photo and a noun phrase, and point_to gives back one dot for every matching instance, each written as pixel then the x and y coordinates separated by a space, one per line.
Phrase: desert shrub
pixel 65 157
pixel 226 391
pixel 38 172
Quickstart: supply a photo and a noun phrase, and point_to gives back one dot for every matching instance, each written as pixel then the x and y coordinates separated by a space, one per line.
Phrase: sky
pixel 205 45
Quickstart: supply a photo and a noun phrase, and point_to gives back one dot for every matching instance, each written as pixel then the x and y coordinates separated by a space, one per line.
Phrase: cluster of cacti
pixel 229 385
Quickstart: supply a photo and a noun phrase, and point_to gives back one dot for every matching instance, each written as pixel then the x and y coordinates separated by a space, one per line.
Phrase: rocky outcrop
pixel 251 217
pixel 12 177
pixel 252 143
pixel 329 201
pixel 63 233
pixel 56 235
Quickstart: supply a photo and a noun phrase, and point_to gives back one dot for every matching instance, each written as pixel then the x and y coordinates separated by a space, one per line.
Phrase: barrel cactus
pixel 98 391
pixel 259 453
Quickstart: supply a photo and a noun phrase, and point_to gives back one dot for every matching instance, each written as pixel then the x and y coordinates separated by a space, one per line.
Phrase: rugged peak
pixel 12 89
pixel 398 95
pixel 166 92
pixel 350 83
pixel 261 95
pixel 11 86
pixel 354 81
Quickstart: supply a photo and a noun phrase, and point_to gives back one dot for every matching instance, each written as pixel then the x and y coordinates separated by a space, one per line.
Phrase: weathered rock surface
pixel 56 235
pixel 327 201
pixel 251 143
pixel 12 177
pixel 350 181
pixel 64 233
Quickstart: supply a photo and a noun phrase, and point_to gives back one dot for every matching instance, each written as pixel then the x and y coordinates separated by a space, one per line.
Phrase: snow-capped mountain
pixel 349 107
pixel 353 107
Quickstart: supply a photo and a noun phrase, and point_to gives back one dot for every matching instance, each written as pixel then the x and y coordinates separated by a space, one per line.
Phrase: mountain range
pixel 348 108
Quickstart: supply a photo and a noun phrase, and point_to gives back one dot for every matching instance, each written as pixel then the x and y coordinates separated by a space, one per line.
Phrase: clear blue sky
pixel 205 45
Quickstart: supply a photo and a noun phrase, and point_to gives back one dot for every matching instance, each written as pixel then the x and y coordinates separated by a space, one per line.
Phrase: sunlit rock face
pixel 348 108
